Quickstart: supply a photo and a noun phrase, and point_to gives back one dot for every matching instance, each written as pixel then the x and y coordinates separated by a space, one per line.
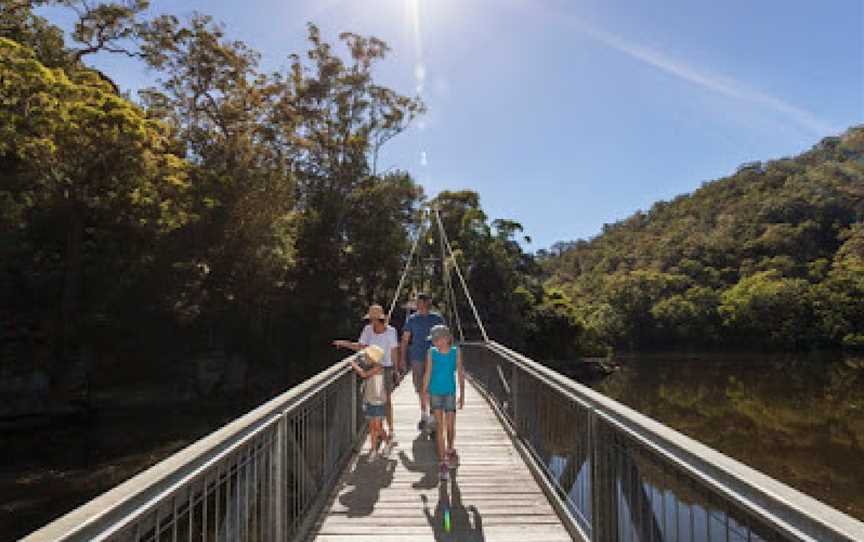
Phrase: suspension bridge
pixel 542 458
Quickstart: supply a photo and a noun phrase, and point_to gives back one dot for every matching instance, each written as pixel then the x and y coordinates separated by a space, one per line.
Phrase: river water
pixel 797 418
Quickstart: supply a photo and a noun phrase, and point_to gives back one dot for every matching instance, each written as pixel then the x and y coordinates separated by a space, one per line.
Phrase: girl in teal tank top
pixel 443 366
pixel 442 380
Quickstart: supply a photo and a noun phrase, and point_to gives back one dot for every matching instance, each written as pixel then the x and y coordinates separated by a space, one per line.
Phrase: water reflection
pixel 798 419
pixel 649 511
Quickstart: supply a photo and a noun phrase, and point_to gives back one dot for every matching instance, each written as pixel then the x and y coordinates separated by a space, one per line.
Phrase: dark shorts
pixel 418 368
pixel 375 411
pixel 447 403
pixel 389 379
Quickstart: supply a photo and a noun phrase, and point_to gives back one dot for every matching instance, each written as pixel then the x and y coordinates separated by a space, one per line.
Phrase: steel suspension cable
pixel 452 295
pixel 407 268
pixel 449 295
pixel 459 272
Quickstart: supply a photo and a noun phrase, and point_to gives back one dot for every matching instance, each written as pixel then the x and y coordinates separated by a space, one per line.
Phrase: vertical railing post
pixel 604 495
pixel 514 397
pixel 279 479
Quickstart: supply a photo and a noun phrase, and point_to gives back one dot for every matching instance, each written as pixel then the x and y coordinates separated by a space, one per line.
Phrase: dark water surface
pixel 797 418
pixel 49 469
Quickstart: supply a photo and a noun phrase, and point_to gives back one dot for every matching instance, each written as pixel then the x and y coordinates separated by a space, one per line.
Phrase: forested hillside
pixel 772 256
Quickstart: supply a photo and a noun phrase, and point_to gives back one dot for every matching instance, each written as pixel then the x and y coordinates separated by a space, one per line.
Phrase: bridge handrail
pixel 786 508
pixel 114 510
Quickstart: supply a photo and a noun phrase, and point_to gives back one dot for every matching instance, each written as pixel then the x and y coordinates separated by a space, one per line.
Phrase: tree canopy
pixel 770 256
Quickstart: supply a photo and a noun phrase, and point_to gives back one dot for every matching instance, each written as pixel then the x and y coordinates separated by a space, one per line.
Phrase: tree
pixel 770 309
pixel 86 155
pixel 791 218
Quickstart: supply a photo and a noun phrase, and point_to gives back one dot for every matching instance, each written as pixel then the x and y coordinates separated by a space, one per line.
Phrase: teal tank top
pixel 442 381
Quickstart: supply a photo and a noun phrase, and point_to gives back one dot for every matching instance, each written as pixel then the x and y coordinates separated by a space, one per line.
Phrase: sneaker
pixel 452 458
pixel 444 473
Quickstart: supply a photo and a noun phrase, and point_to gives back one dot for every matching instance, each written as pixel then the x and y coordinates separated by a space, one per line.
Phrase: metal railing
pixel 259 478
pixel 615 474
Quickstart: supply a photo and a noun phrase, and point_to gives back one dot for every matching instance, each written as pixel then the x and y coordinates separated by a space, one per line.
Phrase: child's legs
pixel 374 432
pixel 390 382
pixel 451 429
pixel 418 369
pixel 439 434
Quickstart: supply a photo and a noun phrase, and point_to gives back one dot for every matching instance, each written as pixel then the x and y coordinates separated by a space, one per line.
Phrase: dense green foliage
pixel 225 209
pixel 771 256
pixel 231 209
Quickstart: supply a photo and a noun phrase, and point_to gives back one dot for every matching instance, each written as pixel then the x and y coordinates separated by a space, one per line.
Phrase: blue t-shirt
pixel 441 378
pixel 419 325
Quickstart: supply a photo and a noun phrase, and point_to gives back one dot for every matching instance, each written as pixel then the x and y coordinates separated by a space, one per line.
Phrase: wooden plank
pixel 492 534
pixel 491 495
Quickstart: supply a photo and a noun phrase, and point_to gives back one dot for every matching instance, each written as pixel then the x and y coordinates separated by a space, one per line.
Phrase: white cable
pixel 449 295
pixel 405 271
pixel 461 278
pixel 452 295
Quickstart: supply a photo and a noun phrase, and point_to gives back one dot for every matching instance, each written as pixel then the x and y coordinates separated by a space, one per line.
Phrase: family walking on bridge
pixel 435 363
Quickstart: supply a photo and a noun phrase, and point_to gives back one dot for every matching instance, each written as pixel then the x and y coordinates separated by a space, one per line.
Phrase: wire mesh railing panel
pixel 616 475
pixel 557 431
pixel 656 500
pixel 256 480
pixel 233 499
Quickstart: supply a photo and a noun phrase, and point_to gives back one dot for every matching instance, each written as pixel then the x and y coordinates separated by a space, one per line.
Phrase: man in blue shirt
pixel 414 346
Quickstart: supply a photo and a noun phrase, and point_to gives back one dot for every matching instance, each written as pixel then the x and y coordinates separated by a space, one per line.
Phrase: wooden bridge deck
pixel 490 496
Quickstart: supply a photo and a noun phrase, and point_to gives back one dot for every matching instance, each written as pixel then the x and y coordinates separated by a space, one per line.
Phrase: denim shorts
pixel 447 403
pixel 375 411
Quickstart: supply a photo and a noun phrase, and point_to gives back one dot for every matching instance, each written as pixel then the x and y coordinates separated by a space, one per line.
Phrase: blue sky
pixel 568 114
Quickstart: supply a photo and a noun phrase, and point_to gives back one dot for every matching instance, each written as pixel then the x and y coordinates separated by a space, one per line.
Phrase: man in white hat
pixel 379 333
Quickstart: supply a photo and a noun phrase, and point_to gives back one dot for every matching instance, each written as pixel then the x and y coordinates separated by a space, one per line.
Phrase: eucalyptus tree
pixel 86 158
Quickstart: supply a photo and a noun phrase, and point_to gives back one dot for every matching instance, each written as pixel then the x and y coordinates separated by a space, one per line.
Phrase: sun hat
pixel 375 312
pixel 438 331
pixel 373 353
